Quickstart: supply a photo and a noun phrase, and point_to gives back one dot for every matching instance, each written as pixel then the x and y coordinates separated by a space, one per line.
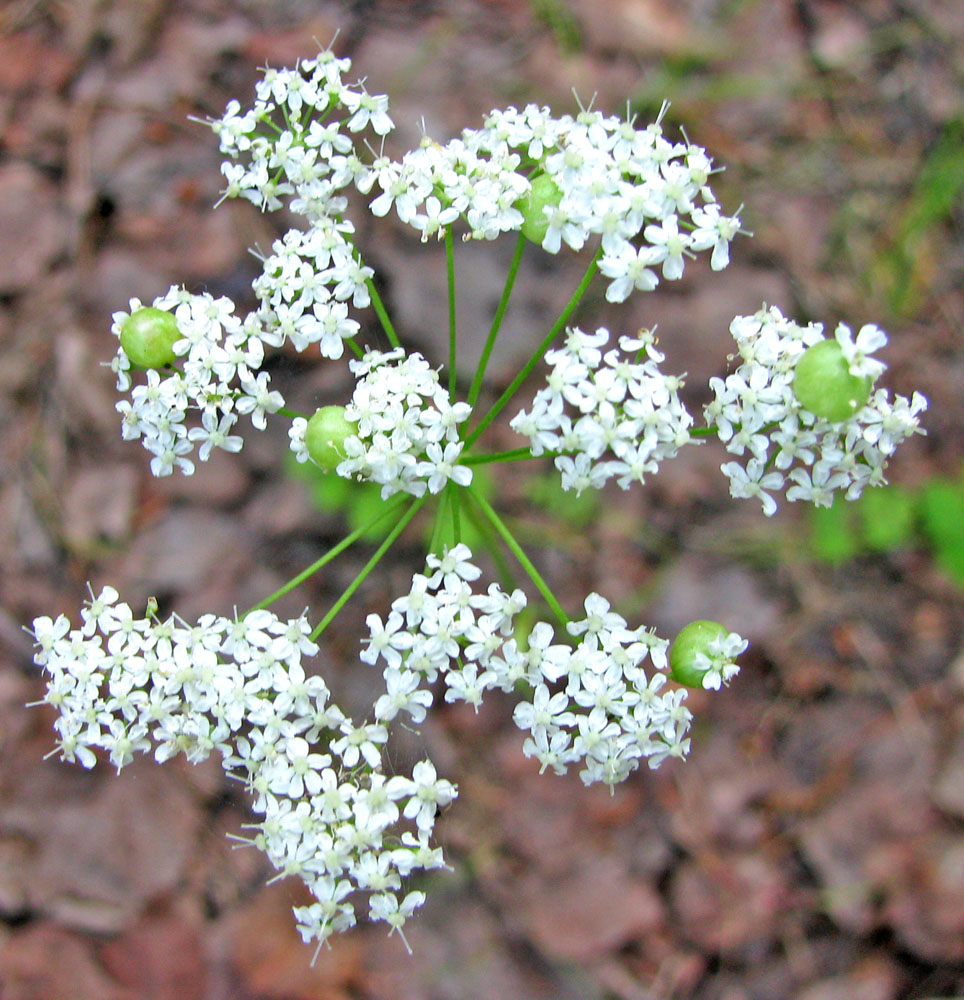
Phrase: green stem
pixel 497 320
pixel 519 553
pixel 382 314
pixel 327 557
pixel 369 566
pixel 456 519
pixel 539 352
pixel 484 528
pixel 512 455
pixel 435 544
pixel 285 411
pixel 450 270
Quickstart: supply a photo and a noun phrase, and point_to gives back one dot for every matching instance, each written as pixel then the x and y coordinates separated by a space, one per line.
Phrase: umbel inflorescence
pixel 801 413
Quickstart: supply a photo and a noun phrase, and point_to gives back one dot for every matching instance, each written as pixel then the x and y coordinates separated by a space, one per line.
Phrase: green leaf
pixel 546 491
pixel 886 518
pixel 833 537
pixel 951 561
pixel 941 509
pixel 904 266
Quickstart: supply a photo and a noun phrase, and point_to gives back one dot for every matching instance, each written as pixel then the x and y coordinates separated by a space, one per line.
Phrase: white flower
pixel 869 339
pixel 630 269
pixel 386 641
pixel 430 793
pixel 754 481
pixel 385 906
pixel 545 712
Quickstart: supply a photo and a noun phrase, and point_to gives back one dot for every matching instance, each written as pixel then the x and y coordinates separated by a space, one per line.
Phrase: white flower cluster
pixel 219 358
pixel 127 685
pixel 408 431
pixel 298 140
pixel 758 417
pixel 611 416
pixel 611 179
pixel 605 712
pixel 298 143
pixel 305 285
pixel 592 701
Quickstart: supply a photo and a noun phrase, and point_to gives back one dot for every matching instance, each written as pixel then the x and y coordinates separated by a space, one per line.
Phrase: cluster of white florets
pixel 647 198
pixel 592 701
pixel 127 685
pixel 408 430
pixel 610 180
pixel 610 415
pixel 306 284
pixel 758 417
pixel 218 377
pixel 298 140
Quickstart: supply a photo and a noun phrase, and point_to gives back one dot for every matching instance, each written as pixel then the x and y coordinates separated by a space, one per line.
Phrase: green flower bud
pixel 823 384
pixel 692 640
pixel 544 192
pixel 325 436
pixel 148 337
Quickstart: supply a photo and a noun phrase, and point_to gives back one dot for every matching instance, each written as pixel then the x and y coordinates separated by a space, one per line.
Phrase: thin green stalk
pixel 368 567
pixel 327 557
pixel 539 352
pixel 512 455
pixel 450 270
pixel 382 314
pixel 435 544
pixel 519 553
pixel 484 528
pixel 456 520
pixel 497 320
pixel 285 411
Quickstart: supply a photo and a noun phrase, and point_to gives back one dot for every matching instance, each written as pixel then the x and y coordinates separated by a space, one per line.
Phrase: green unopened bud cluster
pixel 703 655
pixel 325 436
pixel 148 337
pixel 824 384
pixel 543 196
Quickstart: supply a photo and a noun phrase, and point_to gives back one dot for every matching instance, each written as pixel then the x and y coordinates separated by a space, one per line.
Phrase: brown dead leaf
pixel 34 231
pixel 100 503
pixel 729 903
pixel 260 943
pixel 46 962
pixel 28 64
pixel 101 846
pixel 160 958
pixel 586 912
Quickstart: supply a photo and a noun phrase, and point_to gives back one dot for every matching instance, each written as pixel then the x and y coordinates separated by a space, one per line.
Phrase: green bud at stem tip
pixel 325 436
pixel 693 640
pixel 823 384
pixel 148 337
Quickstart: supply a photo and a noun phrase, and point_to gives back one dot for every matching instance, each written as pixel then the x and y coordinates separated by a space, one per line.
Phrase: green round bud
pixel 823 384
pixel 544 192
pixel 148 337
pixel 325 436
pixel 693 639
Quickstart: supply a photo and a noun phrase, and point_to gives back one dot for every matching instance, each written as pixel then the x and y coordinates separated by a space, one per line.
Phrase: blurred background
pixel 813 845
